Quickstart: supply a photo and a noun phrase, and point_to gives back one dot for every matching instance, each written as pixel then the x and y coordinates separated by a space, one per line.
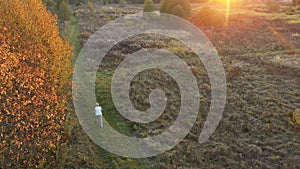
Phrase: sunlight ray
pixel 227 12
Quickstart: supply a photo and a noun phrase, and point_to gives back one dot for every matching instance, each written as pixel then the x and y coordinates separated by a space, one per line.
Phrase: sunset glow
pixel 227 12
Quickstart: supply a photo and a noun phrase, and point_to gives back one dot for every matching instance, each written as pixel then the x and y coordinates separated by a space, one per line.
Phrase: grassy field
pixel 257 128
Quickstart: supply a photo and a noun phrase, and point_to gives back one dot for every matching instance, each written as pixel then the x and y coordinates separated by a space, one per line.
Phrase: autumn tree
pixel 34 85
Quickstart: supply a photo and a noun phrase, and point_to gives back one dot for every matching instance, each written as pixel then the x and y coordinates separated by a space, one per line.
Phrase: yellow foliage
pixel 35 72
pixel 90 6
pixel 296 116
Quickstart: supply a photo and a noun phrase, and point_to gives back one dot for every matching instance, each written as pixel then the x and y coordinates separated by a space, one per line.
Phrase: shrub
pixel 296 117
pixel 64 10
pixel 167 6
pixel 34 84
pixel 149 6
pixel 122 3
pixel 289 9
pixel 105 2
pixel 84 36
pixel 90 7
pixel 273 6
pixel 211 17
pixel 178 11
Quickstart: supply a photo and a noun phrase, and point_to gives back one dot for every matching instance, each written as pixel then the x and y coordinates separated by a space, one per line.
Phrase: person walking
pixel 98 114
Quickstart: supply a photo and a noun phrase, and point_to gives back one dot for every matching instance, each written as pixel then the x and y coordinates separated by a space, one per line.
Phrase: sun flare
pixel 227 12
pixel 227 5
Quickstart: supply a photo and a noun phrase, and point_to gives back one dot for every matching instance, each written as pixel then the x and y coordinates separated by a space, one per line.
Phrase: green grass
pixel 89 151
pixel 84 150
pixel 115 120
pixel 91 155
pixel 72 33
pixel 103 87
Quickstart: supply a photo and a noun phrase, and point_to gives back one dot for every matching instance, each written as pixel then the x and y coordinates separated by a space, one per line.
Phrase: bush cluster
pixel 179 8
pixel 149 6
pixel 210 17
pixel 273 6
pixel 90 7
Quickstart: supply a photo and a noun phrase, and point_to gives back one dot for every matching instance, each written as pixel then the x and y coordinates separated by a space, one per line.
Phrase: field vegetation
pixel 257 42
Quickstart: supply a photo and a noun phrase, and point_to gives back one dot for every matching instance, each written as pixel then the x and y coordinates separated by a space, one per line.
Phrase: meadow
pixel 47 119
pixel 259 49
